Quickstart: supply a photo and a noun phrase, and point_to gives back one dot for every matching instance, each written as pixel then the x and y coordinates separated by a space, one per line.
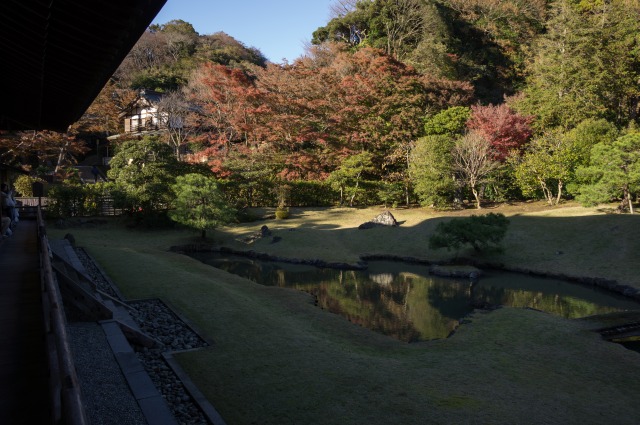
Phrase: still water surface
pixel 404 301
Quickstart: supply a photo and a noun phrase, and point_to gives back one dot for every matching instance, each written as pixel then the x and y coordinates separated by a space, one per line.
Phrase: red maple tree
pixel 504 128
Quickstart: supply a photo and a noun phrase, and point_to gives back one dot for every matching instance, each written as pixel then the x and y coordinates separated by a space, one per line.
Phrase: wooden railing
pixel 31 201
pixel 66 400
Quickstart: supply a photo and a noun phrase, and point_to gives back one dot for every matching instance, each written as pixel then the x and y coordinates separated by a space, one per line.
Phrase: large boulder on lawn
pixel 383 219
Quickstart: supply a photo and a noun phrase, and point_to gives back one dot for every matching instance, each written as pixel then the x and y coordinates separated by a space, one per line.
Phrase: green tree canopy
pixel 547 165
pixel 451 121
pixel 614 172
pixel 199 203
pixel 587 65
pixel 589 133
pixel 431 171
pixel 348 176
pixel 143 172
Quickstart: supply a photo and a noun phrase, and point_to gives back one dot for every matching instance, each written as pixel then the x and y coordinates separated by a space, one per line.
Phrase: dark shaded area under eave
pixel 56 55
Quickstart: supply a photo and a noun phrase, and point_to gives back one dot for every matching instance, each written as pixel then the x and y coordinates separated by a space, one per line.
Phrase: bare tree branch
pixel 473 162
pixel 339 8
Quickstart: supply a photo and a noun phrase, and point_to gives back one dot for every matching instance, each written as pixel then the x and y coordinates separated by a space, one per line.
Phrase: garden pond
pixel 406 302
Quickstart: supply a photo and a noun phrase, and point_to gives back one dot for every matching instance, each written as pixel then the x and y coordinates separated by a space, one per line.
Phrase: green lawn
pixel 592 243
pixel 278 359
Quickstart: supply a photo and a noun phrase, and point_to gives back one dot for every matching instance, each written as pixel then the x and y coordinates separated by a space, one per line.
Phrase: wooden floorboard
pixel 24 391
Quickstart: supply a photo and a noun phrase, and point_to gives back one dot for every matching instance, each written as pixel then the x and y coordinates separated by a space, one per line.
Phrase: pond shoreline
pixel 435 269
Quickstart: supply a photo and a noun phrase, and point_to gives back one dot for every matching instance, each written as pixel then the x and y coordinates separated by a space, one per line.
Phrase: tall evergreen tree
pixel 587 65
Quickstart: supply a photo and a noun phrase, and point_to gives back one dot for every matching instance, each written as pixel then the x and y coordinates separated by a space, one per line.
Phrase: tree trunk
pixel 353 196
pixel 626 199
pixel 203 234
pixel 560 185
pixel 477 196
pixel 406 193
pixel 407 179
pixel 355 190
pixel 61 155
pixel 547 193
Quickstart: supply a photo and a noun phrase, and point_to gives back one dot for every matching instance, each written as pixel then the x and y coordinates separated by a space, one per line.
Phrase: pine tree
pixel 614 172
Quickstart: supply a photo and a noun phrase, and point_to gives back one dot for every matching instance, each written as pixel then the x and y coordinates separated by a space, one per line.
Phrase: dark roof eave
pixel 68 51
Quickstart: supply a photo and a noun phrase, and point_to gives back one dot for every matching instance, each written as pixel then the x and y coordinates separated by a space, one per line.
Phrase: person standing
pixel 96 173
pixel 8 208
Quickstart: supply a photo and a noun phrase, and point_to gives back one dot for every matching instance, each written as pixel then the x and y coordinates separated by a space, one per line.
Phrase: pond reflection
pixel 405 302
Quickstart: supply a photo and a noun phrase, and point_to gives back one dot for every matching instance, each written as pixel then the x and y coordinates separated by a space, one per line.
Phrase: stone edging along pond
pixel 442 268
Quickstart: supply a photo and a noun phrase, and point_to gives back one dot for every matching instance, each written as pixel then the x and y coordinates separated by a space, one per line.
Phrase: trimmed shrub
pixel 282 213
pixel 23 184
pixel 482 232
pixel 66 200
pixel 246 193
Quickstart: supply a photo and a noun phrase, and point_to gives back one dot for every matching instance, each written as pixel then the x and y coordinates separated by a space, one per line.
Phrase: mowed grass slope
pixel 278 359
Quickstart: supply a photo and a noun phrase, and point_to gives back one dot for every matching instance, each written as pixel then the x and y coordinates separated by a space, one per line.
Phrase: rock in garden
pixel 263 233
pixel 383 219
pixel 71 239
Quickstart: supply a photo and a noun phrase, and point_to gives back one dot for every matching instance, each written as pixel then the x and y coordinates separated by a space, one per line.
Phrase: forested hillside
pixel 402 101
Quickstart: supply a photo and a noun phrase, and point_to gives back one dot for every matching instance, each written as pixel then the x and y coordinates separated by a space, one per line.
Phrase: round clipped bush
pixel 282 213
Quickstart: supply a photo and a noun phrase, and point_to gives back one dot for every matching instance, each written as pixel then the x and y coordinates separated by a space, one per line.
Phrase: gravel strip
pixel 158 321
pixel 105 392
